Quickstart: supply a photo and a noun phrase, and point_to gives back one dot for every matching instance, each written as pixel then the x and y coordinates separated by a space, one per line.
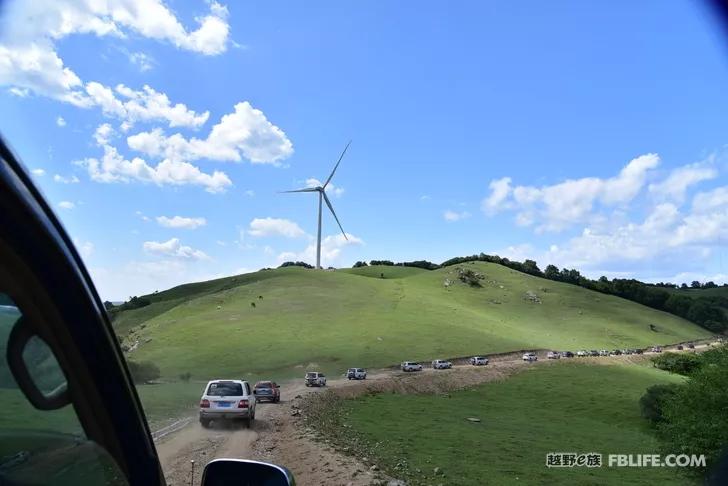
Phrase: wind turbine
pixel 322 197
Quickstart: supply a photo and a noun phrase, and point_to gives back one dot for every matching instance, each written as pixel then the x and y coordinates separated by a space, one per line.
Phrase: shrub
pixel 143 371
pixel 682 364
pixel 185 376
pixel 652 403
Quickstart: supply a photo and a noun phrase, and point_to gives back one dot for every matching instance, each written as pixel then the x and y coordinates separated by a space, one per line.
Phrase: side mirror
pixel 240 472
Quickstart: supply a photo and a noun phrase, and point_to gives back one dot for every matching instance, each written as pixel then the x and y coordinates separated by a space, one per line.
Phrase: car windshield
pixel 257 189
pixel 225 389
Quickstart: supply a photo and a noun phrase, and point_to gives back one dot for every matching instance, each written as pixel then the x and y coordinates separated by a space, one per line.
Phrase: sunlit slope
pixel 335 319
pixel 384 271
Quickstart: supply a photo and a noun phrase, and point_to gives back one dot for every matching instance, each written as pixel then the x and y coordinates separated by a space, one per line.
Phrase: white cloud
pixel 500 189
pixel 244 133
pixel 60 121
pixel 250 193
pixel 330 189
pixel 66 180
pixel 710 200
pixel 425 197
pixel 331 249
pixel 113 167
pixel 66 205
pixel 85 248
pixel 146 104
pixel 142 61
pixel 38 172
pixel 274 227
pixel 453 216
pixel 680 179
pixel 103 134
pixel 181 222
pixel 28 57
pixel 174 248
pixel 561 205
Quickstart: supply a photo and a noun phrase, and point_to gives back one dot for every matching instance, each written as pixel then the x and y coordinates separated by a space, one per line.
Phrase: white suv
pixel 553 355
pixel 478 361
pixel 441 364
pixel 314 378
pixel 530 357
pixel 411 366
pixel 227 399
pixel 356 374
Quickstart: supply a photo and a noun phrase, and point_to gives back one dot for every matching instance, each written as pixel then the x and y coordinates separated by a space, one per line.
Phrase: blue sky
pixel 573 133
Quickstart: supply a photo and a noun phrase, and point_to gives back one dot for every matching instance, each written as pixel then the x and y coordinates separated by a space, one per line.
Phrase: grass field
pixel 332 320
pixel 559 408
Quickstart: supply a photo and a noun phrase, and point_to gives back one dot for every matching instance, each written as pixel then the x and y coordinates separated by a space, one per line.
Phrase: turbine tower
pixel 322 197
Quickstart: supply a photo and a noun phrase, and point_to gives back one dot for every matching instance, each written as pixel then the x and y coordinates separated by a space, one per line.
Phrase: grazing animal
pixel 252 304
pixel 260 297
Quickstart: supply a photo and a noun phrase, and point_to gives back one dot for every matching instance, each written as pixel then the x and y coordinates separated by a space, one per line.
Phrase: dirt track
pixel 277 436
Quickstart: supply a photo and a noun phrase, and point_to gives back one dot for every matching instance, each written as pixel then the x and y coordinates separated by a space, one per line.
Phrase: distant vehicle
pixel 356 374
pixel 691 346
pixel 478 361
pixel 314 378
pixel 441 364
pixel 530 357
pixel 593 352
pixel 680 347
pixel 638 351
pixel 603 352
pixel 553 355
pixel 616 352
pixel 227 400
pixel 267 390
pixel 581 353
pixel 627 351
pixel 567 354
pixel 411 366
pixel 656 349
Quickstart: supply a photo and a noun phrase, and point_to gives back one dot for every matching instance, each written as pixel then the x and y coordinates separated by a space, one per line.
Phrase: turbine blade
pixel 307 189
pixel 328 203
pixel 337 165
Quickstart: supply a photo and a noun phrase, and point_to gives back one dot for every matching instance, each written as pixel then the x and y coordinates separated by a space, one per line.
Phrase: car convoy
pixel 234 399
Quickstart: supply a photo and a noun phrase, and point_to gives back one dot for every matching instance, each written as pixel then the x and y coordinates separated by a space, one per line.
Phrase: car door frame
pixel 55 291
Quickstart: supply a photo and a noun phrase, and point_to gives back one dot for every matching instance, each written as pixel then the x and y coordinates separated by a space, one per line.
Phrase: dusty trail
pixel 277 436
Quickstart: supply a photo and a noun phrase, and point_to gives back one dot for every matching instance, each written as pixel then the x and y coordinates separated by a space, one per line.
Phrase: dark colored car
pixel 567 354
pixel 593 352
pixel 639 351
pixel 267 390
pixel 616 352
pixel 691 346
pixel 680 347
pixel 76 417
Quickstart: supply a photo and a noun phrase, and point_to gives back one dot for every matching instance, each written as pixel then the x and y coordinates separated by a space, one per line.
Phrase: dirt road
pixel 277 436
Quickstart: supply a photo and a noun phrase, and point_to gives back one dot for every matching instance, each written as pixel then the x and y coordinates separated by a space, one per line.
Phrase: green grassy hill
pixel 331 320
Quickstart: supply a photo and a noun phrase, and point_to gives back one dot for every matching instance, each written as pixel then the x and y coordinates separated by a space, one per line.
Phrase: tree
pixel 683 286
pixel 360 264
pixel 695 284
pixel 530 267
pixel 552 272
pixel 652 403
pixel 143 371
pixel 108 305
pixel 709 285
pixel 295 264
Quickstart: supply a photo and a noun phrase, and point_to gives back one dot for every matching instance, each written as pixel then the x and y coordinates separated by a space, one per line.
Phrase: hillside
pixel 335 319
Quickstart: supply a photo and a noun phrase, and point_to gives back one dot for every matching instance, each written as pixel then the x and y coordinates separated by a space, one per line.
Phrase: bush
pixel 469 277
pixel 143 371
pixel 295 264
pixel 682 364
pixel 185 376
pixel 652 403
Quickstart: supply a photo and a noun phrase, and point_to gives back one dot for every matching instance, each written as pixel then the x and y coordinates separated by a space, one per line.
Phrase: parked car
pixel 267 390
pixel 616 352
pixel 656 349
pixel 553 355
pixel 411 366
pixel 691 346
pixel 603 352
pixel 530 357
pixel 567 354
pixel 314 378
pixel 441 364
pixel 593 352
pixel 478 361
pixel 638 351
pixel 356 374
pixel 680 347
pixel 227 400
pixel 582 353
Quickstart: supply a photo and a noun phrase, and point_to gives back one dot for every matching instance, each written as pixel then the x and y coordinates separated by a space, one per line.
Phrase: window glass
pixel 224 389
pixel 43 446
